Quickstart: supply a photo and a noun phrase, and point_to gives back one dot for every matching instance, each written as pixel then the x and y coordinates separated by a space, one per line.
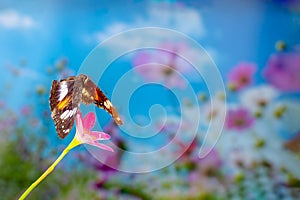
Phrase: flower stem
pixel 75 142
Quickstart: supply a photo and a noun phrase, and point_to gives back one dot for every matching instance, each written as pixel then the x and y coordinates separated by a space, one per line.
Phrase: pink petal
pixel 242 71
pixel 79 113
pixel 79 126
pixel 96 135
pixel 282 71
pixel 149 71
pixel 176 81
pixel 235 116
pixel 141 59
pixel 89 121
pixel 101 146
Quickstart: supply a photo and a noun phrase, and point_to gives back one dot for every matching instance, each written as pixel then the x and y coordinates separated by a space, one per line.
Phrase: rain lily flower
pixel 110 161
pixel 239 119
pixel 283 71
pixel 241 76
pixel 84 135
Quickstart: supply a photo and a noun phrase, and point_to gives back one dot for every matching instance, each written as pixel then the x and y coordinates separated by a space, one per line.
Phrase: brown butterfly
pixel 66 96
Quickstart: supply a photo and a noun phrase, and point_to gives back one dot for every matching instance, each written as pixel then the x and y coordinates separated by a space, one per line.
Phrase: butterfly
pixel 66 96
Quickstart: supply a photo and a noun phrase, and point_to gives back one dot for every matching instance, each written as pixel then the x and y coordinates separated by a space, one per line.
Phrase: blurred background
pixel 256 47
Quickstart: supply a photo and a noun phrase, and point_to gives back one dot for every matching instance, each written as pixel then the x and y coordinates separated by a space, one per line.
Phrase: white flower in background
pixel 289 121
pixel 256 98
pixel 192 114
pixel 214 110
pixel 241 156
pixel 212 120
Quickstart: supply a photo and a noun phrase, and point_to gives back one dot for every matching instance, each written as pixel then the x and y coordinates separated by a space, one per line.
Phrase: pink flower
pixel 211 160
pixel 186 150
pixel 112 128
pixel 164 66
pixel 84 133
pixel 112 160
pixel 241 76
pixel 2 104
pixel 35 122
pixel 239 119
pixel 283 71
pixel 26 110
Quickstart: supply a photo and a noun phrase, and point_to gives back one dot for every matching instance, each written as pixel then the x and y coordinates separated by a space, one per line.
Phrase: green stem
pixel 75 142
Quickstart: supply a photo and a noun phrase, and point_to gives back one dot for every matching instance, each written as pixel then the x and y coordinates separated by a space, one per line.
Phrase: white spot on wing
pixel 66 131
pixel 65 114
pixel 68 113
pixel 107 104
pixel 63 91
pixel 71 113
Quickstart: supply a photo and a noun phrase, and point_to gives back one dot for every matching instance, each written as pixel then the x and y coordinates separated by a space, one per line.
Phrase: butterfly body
pixel 66 96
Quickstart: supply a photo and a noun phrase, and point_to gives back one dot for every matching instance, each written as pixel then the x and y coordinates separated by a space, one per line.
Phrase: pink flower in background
pixel 112 128
pixel 241 76
pixel 186 150
pixel 2 104
pixel 26 110
pixel 211 160
pixel 239 119
pixel 163 66
pixel 84 133
pixel 35 122
pixel 8 123
pixel 283 71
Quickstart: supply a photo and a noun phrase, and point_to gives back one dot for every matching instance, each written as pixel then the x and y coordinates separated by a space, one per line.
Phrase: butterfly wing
pixel 65 98
pixel 63 105
pixel 103 102
pixel 92 94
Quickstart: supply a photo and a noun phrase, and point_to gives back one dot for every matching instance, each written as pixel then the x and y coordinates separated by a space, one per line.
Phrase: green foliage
pixel 129 189
pixel 21 163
